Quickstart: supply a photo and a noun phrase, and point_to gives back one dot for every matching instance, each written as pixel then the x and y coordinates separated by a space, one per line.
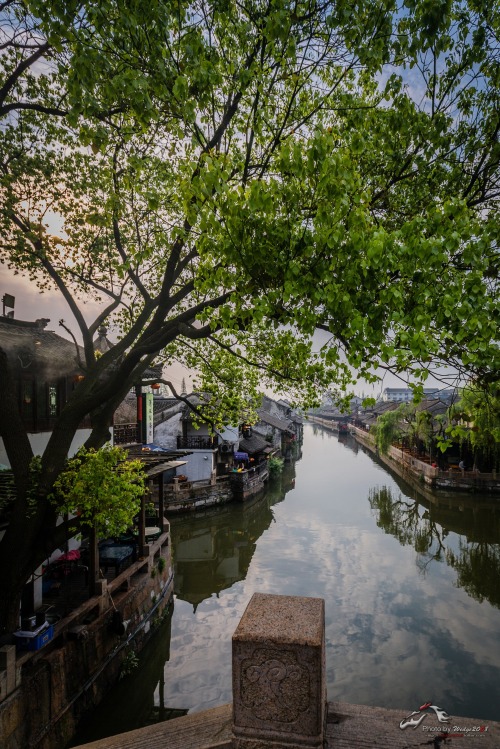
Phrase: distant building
pixel 405 395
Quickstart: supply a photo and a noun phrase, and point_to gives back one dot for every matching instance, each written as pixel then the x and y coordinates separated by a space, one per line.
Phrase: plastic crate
pixel 35 643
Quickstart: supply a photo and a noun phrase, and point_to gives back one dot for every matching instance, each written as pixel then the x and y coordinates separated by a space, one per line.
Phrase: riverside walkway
pixel 279 698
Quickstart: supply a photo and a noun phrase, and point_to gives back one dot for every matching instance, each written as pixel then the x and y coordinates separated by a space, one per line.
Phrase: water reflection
pixel 138 699
pixel 478 568
pixel 213 549
pixel 403 519
pixel 425 524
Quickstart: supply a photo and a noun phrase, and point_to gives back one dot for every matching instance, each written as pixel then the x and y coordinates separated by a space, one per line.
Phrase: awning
pixel 162 467
pixel 241 456
pixel 151 448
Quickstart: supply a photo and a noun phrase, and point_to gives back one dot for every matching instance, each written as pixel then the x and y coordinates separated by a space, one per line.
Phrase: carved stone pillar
pixel 279 684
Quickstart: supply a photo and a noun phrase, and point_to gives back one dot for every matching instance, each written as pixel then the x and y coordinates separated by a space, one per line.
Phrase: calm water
pixel 411 585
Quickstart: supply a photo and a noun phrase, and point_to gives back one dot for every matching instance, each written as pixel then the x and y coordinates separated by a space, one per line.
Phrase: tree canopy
pixel 227 178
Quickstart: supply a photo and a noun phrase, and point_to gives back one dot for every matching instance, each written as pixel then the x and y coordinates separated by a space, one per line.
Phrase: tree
pixel 390 427
pixel 229 177
pixel 102 487
pixel 475 419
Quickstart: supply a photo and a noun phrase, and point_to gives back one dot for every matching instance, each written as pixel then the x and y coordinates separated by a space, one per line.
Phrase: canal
pixel 411 583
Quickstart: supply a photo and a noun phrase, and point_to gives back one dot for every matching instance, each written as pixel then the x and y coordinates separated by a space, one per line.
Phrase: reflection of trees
pixel 478 570
pixel 400 517
pixel 477 562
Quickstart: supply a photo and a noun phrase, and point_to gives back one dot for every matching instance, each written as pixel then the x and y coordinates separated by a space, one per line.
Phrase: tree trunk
pixel 10 605
pixel 16 569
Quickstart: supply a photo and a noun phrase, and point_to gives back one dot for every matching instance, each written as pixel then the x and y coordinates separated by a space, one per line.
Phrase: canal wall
pixel 405 464
pixel 187 496
pixel 46 693
pixel 335 425
pixel 249 483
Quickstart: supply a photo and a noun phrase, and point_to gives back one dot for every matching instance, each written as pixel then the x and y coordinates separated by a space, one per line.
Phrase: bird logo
pixel 415 718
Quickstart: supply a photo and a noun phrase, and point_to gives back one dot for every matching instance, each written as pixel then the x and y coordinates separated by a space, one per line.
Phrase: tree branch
pixel 17 73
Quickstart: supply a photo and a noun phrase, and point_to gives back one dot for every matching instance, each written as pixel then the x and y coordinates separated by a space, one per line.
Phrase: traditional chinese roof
pixel 434 406
pixel 274 421
pixel 254 444
pixel 31 348
pixel 156 459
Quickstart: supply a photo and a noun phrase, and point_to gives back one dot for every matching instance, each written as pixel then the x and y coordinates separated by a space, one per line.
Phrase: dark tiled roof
pixel 31 348
pixel 435 406
pixel 156 461
pixel 274 421
pixel 161 403
pixel 253 444
pixel 382 407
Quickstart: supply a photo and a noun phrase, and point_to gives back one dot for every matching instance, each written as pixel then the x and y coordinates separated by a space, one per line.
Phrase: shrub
pixel 275 466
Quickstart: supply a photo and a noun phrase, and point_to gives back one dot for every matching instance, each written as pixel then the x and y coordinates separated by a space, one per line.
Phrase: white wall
pixel 200 465
pixel 39 442
pixel 166 432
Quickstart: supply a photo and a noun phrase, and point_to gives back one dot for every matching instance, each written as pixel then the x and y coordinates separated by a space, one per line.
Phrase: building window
pixel 52 400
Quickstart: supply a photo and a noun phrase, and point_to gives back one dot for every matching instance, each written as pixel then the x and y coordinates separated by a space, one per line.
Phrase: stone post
pixel 279 682
pixel 101 590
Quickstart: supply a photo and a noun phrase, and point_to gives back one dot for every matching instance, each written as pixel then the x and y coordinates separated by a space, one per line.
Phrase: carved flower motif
pixel 274 686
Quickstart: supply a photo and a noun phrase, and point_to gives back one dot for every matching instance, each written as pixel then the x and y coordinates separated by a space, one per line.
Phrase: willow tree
pixel 226 178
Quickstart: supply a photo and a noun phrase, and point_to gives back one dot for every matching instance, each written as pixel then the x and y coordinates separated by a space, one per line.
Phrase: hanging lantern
pixel 155 388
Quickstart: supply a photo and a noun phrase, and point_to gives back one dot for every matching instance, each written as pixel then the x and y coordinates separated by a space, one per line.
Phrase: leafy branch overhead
pixel 243 166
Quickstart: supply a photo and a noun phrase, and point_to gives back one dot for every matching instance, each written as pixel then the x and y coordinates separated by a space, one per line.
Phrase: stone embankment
pixel 406 464
pixel 183 496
